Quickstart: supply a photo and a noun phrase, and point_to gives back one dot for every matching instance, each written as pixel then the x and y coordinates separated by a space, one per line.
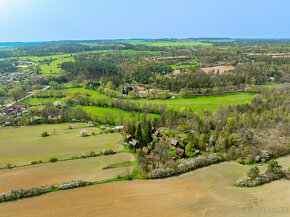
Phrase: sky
pixel 51 20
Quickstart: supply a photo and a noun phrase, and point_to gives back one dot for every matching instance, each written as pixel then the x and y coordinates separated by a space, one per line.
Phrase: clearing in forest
pixel 215 69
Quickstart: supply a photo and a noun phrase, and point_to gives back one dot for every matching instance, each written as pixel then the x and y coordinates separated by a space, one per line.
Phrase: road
pixel 28 96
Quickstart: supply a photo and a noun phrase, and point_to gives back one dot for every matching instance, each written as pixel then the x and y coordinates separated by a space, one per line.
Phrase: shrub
pixel 83 133
pixel 93 133
pixel 108 152
pixel 44 134
pixel 93 154
pixel 34 162
pixel 9 166
pixel 53 159
pixel 72 184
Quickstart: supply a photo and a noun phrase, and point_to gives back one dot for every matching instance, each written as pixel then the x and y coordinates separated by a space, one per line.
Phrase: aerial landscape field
pixel 144 109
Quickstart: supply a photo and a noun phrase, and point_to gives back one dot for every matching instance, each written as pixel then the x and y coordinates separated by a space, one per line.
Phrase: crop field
pixel 21 145
pixel 221 69
pixel 203 102
pixel 205 192
pixel 102 113
pixel 90 169
pixel 170 44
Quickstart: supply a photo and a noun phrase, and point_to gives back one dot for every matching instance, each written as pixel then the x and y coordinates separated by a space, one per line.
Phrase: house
pixel 198 152
pixel 140 89
pixel 146 150
pixel 16 108
pixel 163 139
pixel 153 130
pixel 134 143
pixel 157 134
pixel 152 156
pixel 174 143
pixel 180 152
pixel 129 136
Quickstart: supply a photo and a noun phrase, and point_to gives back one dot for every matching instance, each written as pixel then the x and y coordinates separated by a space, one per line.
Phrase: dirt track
pixel 204 192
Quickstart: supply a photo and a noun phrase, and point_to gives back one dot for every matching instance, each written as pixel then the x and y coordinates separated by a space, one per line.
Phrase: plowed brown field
pixel 205 192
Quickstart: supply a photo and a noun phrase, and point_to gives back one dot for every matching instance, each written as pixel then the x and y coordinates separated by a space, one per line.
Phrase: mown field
pixel 90 169
pixel 181 66
pixel 21 145
pixel 92 93
pixel 102 113
pixel 55 66
pixel 205 192
pixel 203 102
pixel 169 44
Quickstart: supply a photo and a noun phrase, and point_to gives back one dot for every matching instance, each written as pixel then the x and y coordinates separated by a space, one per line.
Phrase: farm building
pixel 180 152
pixel 174 143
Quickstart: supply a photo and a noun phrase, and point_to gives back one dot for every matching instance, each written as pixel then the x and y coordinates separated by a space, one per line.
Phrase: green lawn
pixel 21 145
pixel 203 102
pixel 117 113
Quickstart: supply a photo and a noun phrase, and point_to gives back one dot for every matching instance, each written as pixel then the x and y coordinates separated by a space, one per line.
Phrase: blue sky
pixel 47 20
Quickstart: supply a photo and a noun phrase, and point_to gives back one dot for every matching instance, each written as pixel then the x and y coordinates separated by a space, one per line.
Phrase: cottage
pixel 129 136
pixel 198 152
pixel 140 89
pixel 157 134
pixel 174 143
pixel 146 150
pixel 180 152
pixel 134 143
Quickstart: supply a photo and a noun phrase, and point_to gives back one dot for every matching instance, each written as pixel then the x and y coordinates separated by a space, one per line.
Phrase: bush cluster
pixel 72 184
pixel 183 166
pixel 15 194
pixel 274 172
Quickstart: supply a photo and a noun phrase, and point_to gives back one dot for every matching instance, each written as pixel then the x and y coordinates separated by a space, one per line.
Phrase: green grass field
pixel 21 145
pixel 39 101
pixel 186 44
pixel 92 93
pixel 37 59
pixel 55 66
pixel 117 113
pixel 181 66
pixel 203 102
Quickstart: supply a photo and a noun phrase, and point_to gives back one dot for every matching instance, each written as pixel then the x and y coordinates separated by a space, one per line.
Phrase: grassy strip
pixel 92 154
